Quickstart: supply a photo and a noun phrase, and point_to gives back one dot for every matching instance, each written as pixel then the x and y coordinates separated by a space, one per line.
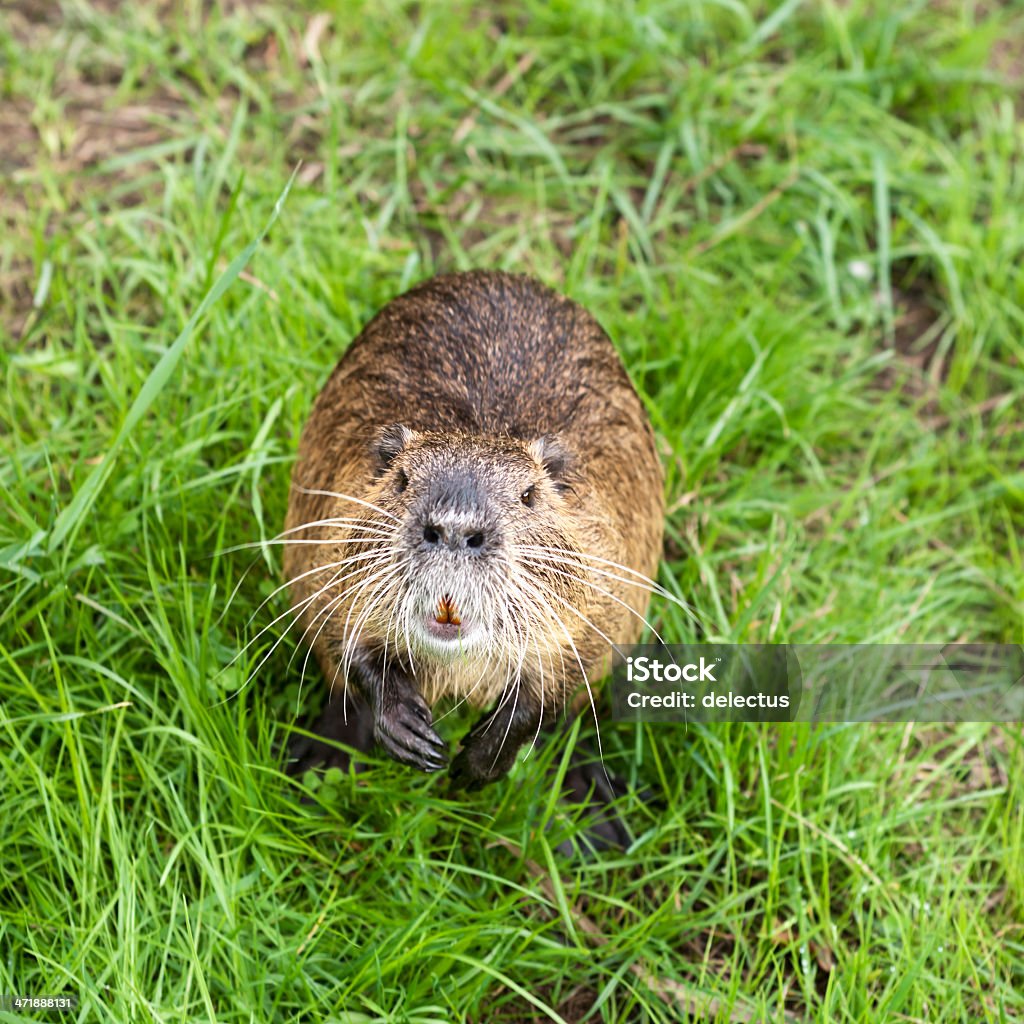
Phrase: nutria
pixel 475 515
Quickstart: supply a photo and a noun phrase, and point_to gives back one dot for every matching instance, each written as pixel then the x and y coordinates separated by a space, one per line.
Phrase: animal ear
pixel 549 451
pixel 391 441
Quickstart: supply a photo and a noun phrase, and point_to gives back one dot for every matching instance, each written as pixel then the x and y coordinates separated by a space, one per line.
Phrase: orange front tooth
pixel 447 612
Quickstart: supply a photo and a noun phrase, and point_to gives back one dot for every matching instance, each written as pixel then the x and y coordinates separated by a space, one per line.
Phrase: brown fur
pixel 499 374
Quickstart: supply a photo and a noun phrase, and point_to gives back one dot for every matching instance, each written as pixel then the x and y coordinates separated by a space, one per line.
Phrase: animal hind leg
pixel 344 720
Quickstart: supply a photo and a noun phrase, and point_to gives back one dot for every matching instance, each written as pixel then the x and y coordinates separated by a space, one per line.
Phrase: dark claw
pixel 406 749
pixel 406 732
pixel 424 733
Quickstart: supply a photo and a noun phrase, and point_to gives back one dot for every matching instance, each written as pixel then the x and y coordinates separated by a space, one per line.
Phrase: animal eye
pixel 528 497
pixel 401 481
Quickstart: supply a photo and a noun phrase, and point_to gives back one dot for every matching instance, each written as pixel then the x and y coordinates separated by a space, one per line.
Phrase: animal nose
pixel 439 535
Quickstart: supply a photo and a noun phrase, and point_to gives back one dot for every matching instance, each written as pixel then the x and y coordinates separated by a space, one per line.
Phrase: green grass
pixel 801 224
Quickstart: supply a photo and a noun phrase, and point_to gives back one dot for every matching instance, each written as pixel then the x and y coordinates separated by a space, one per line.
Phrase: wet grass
pixel 801 227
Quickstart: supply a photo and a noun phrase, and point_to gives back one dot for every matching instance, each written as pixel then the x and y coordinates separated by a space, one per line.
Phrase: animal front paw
pixel 404 727
pixel 486 755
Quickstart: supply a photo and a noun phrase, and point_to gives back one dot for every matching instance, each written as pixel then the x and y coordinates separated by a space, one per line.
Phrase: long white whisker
pixel 511 717
pixel 359 520
pixel 277 643
pixel 533 585
pixel 297 607
pixel 405 564
pixel 326 613
pixel 329 607
pixel 640 578
pixel 540 720
pixel 381 574
pixel 284 537
pixel 360 622
pixel 345 661
pixel 346 497
pixel 571 558
pixel 294 580
pixel 320 541
pixel 351 523
pixel 600 590
pixel 512 693
pixel 376 595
